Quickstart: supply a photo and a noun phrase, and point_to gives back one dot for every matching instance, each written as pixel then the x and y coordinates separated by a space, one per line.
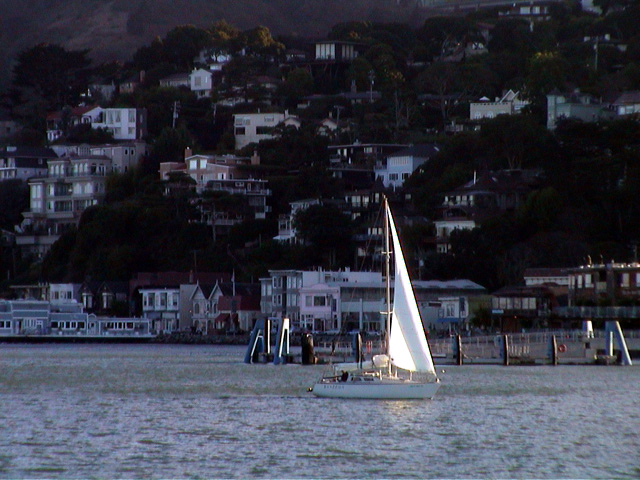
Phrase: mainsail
pixel 408 347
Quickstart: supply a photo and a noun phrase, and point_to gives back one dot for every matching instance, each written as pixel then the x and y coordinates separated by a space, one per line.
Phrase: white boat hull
pixel 383 389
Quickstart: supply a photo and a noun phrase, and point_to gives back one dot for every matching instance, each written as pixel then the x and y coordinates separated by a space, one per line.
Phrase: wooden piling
pixel 554 350
pixel 458 350
pixel 308 357
pixel 505 350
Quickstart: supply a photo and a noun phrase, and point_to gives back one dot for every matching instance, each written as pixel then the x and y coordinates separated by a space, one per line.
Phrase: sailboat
pixel 406 369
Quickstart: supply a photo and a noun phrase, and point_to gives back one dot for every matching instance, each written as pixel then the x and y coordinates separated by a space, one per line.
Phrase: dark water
pixel 159 411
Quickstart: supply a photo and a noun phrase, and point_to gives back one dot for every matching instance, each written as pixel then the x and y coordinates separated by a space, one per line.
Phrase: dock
pixel 575 347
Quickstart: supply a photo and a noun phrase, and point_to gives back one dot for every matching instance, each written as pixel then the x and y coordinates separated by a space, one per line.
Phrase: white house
pixel 62 119
pixel 446 225
pixel 286 231
pixel 628 103
pixel 509 104
pixel 397 167
pixel 320 300
pixel 123 123
pixel 162 307
pixel 254 127
pixel 201 82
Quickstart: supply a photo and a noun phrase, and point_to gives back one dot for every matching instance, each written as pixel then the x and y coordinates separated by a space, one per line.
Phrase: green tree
pixel 328 232
pixel 47 77
pixel 547 71
pixel 14 199
pixel 185 42
pixel 298 84
pixel 170 146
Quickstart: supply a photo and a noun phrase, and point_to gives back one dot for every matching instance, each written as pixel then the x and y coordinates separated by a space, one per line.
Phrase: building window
pixel 240 131
pixel 319 301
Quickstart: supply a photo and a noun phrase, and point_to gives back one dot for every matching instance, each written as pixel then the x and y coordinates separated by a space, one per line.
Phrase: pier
pixel 562 347
pixel 554 347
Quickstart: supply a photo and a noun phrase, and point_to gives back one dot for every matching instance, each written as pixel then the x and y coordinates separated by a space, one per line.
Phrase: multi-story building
pixel 449 305
pixel 286 230
pixel 254 127
pixel 42 318
pixel 201 82
pixel 123 123
pixel 604 284
pixel 576 105
pixel 343 301
pixel 59 122
pixel 124 156
pixel 224 307
pixel 520 307
pixel 398 167
pixel 58 200
pixel 161 305
pixel 223 173
pixel 23 163
pixel 335 50
pixel 322 300
pixel 490 194
pixel 509 104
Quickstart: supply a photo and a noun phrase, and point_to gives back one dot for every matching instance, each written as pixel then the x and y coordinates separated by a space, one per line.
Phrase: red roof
pixel 75 112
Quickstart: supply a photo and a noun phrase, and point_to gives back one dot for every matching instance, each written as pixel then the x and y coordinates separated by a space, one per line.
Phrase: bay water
pixel 185 411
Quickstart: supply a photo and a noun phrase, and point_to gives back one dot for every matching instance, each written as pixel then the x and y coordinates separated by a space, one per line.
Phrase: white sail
pixel 408 347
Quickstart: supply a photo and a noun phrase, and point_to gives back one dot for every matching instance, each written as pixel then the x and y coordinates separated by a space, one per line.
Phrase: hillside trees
pixel 45 78
pixel 328 233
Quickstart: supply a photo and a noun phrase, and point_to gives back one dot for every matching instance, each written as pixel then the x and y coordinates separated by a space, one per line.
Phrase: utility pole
pixel 372 76
pixel 176 109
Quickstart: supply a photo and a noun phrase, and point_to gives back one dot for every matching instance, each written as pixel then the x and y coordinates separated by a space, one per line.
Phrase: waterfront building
pixel 320 300
pixel 343 301
pixel 605 284
pixel 43 318
pixel 449 305
pixel 161 306
pixel 515 307
pixel 164 297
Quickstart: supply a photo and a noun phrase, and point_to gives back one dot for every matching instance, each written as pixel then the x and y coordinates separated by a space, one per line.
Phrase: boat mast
pixel 387 268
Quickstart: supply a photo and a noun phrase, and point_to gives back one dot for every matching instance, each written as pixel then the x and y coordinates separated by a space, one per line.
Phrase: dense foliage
pixel 587 203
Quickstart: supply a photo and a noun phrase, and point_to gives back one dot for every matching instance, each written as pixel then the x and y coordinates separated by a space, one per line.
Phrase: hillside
pixel 114 29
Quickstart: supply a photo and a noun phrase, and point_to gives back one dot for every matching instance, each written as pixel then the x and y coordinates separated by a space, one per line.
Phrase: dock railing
pixel 527 346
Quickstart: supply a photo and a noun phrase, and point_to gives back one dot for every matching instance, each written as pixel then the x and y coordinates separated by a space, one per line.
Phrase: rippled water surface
pixel 160 411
